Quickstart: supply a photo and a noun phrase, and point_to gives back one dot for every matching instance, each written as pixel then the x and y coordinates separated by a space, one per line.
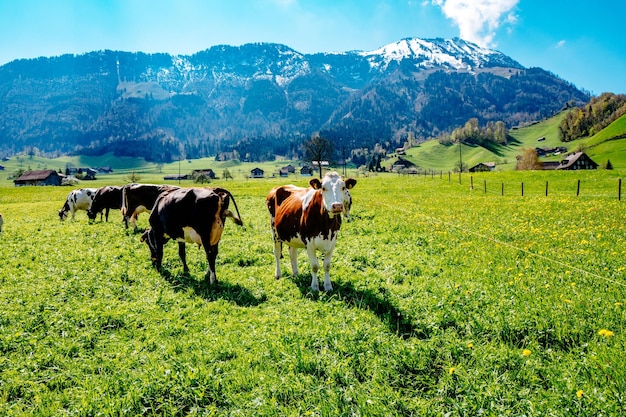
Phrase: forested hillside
pixel 260 100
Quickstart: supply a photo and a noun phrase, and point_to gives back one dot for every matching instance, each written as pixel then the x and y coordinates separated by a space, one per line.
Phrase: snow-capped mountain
pixel 454 54
pixel 260 99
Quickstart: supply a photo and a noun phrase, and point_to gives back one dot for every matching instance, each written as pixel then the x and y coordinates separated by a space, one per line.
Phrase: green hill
pixel 608 144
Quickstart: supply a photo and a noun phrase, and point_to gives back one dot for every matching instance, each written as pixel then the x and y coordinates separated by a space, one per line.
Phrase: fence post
pixel 503 189
pixel 471 182
pixel 522 189
pixel 449 176
pixel 546 188
pixel 578 189
pixel 485 186
pixel 619 190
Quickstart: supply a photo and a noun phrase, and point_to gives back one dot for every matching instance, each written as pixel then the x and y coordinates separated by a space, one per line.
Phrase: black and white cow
pixel 107 197
pixel 80 199
pixel 140 198
pixel 309 218
pixel 194 215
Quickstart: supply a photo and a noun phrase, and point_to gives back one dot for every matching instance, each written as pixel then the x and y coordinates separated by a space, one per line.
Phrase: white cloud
pixel 478 20
pixel 560 43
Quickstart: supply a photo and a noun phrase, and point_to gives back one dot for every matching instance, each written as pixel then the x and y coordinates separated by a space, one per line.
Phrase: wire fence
pixel 611 188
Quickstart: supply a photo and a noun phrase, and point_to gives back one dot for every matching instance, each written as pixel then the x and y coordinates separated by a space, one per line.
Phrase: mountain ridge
pixel 260 99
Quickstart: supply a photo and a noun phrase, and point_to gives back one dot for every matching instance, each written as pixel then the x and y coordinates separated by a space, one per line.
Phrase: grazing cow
pixel 194 215
pixel 139 198
pixel 77 200
pixel 309 218
pixel 107 197
pixel 1 222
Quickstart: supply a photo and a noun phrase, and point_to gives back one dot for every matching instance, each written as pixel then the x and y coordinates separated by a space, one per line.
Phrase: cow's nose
pixel 337 207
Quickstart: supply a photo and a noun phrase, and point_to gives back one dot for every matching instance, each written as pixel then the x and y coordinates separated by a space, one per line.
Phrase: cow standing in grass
pixel 80 199
pixel 140 198
pixel 309 218
pixel 106 198
pixel 194 215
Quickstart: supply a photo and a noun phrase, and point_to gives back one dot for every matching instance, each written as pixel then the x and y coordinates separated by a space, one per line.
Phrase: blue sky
pixel 580 41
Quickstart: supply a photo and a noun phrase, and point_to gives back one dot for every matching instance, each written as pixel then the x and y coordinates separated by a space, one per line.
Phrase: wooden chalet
pixel 306 171
pixel 207 172
pixel 257 173
pixel 483 167
pixel 578 160
pixel 39 177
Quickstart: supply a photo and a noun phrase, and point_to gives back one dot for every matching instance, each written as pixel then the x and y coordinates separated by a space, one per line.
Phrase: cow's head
pixel 335 193
pixel 91 214
pixel 63 212
pixel 149 236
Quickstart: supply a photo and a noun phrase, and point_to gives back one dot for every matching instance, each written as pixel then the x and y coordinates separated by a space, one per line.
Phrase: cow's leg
pixel 183 256
pixel 278 248
pixel 211 255
pixel 293 257
pixel 327 257
pixel 72 211
pixel 315 266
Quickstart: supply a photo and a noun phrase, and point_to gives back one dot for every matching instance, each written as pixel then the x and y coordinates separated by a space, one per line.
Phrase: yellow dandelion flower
pixel 579 393
pixel 526 352
pixel 451 370
pixel 606 333
pixel 470 345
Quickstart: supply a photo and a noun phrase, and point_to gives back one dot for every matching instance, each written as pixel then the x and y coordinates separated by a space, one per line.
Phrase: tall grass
pixel 447 301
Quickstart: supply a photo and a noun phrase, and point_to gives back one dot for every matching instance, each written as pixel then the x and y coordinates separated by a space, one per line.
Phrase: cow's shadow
pixel 212 292
pixel 378 302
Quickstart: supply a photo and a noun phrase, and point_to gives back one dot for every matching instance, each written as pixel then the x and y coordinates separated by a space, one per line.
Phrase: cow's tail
pixel 236 219
pixel 124 208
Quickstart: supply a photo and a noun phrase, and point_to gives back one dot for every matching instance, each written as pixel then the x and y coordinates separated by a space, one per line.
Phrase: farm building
pixel 402 164
pixel 578 160
pixel 306 171
pixel 289 168
pixel 483 167
pixel 207 172
pixel 257 173
pixel 39 177
pixel 283 172
pixel 176 177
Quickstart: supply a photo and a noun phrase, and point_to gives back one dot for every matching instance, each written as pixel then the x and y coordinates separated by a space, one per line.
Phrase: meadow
pixel 448 301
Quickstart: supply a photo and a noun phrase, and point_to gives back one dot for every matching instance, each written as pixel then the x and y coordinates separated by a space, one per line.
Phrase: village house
pixel 306 171
pixel 402 164
pixel 483 167
pixel 39 177
pixel 207 172
pixel 578 160
pixel 256 173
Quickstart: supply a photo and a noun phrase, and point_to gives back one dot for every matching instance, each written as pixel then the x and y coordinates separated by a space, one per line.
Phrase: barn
pixel 39 177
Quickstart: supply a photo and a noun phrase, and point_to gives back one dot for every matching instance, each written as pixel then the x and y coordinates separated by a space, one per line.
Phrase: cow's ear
pixel 350 182
pixel 315 183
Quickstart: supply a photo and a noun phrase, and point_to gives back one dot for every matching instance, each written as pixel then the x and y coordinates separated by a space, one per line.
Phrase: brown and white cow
pixel 309 218
pixel 80 199
pixel 140 198
pixel 106 198
pixel 194 215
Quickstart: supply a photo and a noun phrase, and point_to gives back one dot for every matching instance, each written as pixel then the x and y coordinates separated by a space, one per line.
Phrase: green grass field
pixel 448 301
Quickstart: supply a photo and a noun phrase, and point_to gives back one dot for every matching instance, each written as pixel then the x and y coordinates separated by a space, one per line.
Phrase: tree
pixel 528 160
pixel 318 149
